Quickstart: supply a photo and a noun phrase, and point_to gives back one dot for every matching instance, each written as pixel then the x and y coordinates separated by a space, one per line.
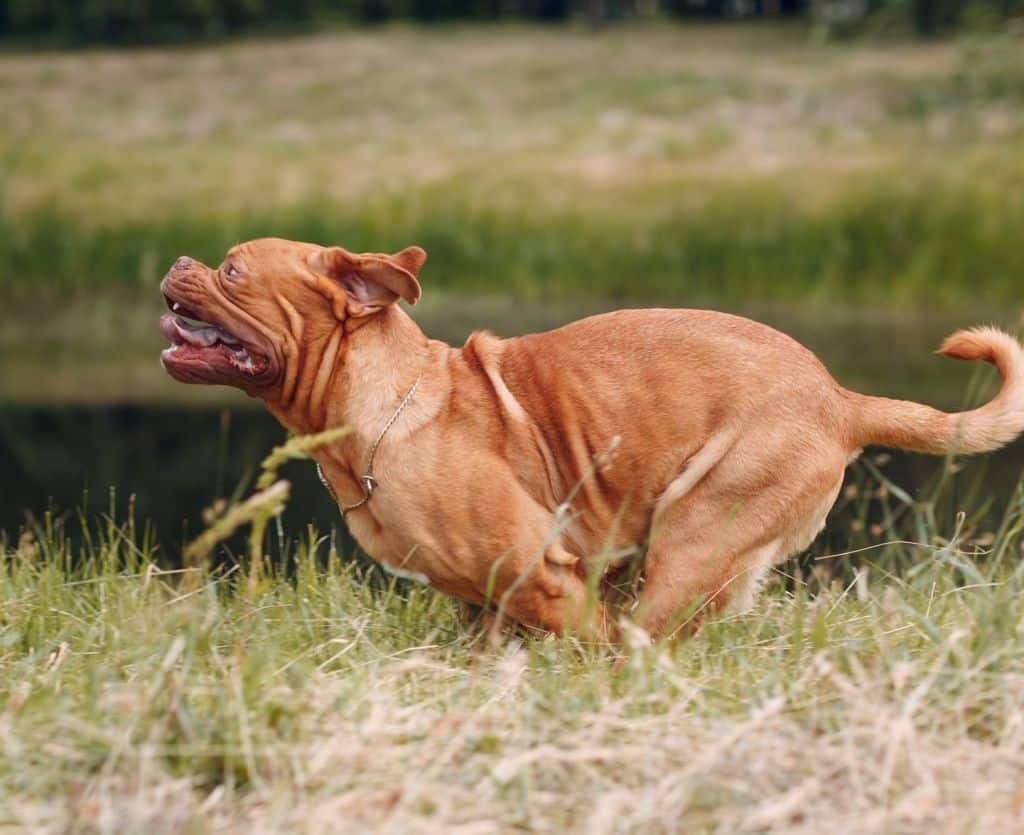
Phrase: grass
pixel 301 690
pixel 759 239
pixel 725 162
pixel 874 692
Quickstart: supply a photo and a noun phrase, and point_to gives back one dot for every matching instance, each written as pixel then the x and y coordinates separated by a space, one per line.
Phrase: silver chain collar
pixel 367 481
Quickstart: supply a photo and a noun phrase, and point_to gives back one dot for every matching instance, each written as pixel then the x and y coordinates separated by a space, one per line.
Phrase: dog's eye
pixel 231 271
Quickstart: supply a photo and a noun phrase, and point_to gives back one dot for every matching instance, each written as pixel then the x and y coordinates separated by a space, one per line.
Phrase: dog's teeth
pixel 176 307
pixel 243 359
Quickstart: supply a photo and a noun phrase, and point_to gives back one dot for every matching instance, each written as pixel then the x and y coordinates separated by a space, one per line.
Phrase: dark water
pixel 178 448
pixel 172 462
pixel 169 463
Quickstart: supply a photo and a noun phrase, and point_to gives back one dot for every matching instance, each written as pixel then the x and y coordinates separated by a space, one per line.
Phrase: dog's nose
pixel 182 263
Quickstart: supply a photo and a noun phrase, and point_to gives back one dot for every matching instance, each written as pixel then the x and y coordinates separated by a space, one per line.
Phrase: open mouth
pixel 204 352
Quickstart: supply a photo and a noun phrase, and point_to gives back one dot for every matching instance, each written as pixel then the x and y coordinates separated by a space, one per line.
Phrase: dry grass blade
pixel 267 503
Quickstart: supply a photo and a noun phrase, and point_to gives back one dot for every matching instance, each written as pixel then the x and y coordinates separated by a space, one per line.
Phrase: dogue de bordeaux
pixel 516 473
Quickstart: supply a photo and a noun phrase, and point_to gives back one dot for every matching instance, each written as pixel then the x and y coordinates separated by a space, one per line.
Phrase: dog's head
pixel 241 323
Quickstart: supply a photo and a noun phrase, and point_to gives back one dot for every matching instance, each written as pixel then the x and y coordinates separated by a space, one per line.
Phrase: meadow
pixel 867 196
pixel 878 691
pixel 715 162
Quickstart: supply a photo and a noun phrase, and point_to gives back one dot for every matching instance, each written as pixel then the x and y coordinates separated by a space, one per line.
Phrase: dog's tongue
pixel 202 336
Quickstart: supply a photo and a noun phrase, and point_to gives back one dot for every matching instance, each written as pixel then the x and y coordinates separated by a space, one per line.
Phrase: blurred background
pixel 850 171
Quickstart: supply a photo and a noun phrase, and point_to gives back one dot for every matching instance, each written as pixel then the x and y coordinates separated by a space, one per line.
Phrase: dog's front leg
pixel 547 590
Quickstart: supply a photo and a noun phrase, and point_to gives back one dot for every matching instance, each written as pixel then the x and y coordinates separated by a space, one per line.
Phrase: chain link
pixel 367 481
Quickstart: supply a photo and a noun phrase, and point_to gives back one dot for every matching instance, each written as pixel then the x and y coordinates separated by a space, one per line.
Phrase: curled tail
pixel 914 426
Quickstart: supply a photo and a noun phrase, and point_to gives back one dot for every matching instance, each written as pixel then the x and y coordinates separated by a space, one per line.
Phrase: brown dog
pixel 512 473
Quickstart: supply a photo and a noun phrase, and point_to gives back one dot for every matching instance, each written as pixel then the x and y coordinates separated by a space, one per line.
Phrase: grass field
pixel 722 162
pixel 829 189
pixel 875 693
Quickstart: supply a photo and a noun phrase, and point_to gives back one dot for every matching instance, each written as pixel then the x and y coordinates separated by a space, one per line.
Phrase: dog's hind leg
pixel 710 550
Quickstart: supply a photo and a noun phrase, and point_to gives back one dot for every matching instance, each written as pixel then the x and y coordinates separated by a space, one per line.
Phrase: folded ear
pixel 371 281
pixel 411 259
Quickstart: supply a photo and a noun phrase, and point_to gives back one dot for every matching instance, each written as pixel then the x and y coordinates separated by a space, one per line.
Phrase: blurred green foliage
pixel 929 243
pixel 147 21
pixel 69 22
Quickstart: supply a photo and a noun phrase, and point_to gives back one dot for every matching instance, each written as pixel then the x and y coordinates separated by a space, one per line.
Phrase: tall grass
pixel 934 242
pixel 880 694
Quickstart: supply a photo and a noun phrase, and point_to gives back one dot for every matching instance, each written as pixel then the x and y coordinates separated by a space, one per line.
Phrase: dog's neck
pixel 356 373
pixel 383 358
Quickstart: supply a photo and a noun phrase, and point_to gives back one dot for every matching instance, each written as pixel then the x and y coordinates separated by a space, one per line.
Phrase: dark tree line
pixel 163 21
pixel 146 21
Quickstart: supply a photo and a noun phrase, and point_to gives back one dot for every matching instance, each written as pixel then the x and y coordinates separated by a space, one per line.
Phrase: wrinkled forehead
pixel 274 253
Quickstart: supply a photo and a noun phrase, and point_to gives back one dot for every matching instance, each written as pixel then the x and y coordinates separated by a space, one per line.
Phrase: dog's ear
pixel 411 259
pixel 371 281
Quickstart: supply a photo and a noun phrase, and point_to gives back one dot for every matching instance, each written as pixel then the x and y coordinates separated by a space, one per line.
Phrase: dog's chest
pixel 384 540
pixel 373 537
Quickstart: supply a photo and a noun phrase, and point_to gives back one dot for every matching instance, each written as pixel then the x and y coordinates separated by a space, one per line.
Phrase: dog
pixel 517 474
